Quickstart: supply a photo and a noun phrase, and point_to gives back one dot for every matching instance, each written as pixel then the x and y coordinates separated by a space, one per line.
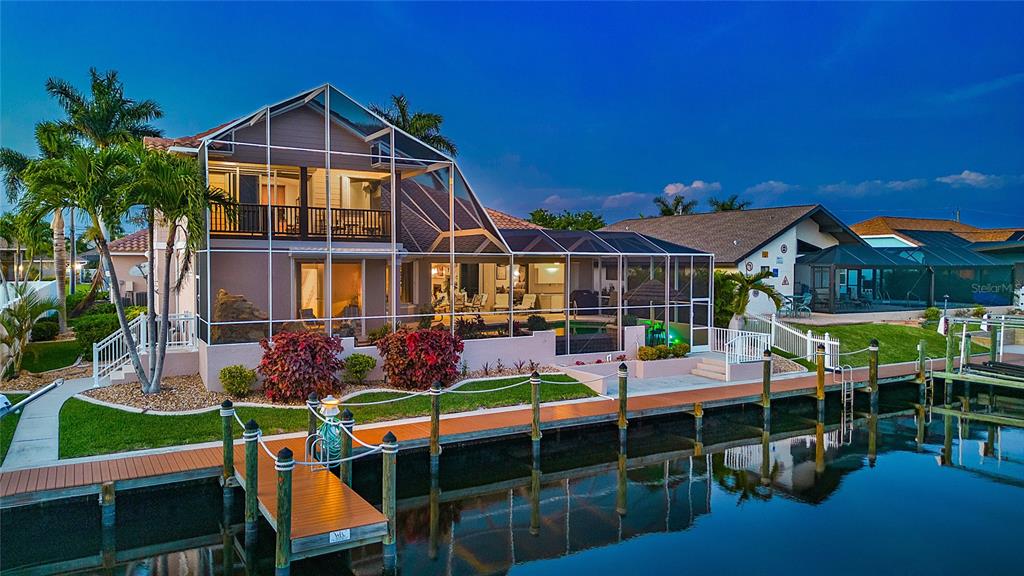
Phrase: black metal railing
pixel 294 222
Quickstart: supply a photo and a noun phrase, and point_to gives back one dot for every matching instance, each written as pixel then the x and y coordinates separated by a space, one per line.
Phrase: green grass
pixel 88 429
pixel 896 342
pixel 43 356
pixel 7 426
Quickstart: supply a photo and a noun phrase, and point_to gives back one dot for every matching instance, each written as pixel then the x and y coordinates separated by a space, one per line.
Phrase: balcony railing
pixel 294 222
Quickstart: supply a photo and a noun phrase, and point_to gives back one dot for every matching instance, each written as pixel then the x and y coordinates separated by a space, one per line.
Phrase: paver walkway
pixel 36 440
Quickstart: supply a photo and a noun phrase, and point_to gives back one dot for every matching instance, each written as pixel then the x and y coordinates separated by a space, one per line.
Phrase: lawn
pixel 7 426
pixel 88 429
pixel 896 342
pixel 43 356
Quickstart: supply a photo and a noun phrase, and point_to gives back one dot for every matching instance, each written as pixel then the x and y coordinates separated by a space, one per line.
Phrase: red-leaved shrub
pixel 297 363
pixel 413 360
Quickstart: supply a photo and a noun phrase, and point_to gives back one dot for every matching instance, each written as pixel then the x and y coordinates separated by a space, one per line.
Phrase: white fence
pixel 111 353
pixel 738 346
pixel 803 344
pixel 43 288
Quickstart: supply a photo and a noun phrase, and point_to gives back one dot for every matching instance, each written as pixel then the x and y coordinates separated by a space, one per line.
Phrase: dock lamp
pixel 331 449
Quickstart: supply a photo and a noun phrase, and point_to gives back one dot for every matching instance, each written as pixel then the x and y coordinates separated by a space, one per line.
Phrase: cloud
pixel 971 179
pixel 983 88
pixel 872 187
pixel 559 202
pixel 695 189
pixel 625 200
pixel 770 189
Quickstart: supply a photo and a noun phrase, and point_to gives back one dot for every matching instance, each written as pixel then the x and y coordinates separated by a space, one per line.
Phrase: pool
pixel 900 508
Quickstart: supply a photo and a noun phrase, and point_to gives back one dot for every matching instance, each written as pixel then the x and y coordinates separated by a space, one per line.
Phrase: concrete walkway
pixel 35 440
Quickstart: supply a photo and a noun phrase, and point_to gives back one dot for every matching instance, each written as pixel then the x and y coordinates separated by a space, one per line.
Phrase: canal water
pixel 887 497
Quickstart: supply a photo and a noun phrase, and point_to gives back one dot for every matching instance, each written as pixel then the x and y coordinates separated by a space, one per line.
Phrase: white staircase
pixel 110 357
pixel 712 367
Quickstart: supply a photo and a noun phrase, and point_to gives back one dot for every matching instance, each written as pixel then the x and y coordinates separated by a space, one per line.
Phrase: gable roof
pixel 905 227
pixel 732 235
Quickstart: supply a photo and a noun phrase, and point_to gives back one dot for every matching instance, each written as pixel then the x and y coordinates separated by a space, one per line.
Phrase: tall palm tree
pixel 174 188
pixel 103 118
pixel 679 205
pixel 731 203
pixel 52 141
pixel 742 285
pixel 424 125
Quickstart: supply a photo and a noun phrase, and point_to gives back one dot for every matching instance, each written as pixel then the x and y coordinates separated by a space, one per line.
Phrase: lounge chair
pixel 501 301
pixel 529 301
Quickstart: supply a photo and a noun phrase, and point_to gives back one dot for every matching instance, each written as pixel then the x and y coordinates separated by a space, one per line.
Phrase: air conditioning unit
pixel 380 157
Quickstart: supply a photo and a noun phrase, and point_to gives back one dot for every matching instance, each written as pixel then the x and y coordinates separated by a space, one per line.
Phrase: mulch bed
pixel 31 382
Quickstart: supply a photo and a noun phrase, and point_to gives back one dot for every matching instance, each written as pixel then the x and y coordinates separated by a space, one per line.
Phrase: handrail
pixel 111 353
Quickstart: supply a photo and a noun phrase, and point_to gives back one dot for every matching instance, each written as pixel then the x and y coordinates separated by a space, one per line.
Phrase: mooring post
pixel 621 480
pixel 947 398
pixel 107 512
pixel 227 539
pixel 623 398
pixel 967 360
pixel 313 402
pixel 389 449
pixel 284 465
pixel 348 422
pixel 108 542
pixel 820 391
pixel 535 400
pixel 993 342
pixel 698 424
pixel 227 417
pixel 922 372
pixel 766 388
pixel 535 494
pixel 873 374
pixel 251 436
pixel 435 425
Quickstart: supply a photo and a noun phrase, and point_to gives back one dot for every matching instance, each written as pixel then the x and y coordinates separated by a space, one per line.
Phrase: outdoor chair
pixel 529 301
pixel 803 305
pixel 788 307
pixel 501 301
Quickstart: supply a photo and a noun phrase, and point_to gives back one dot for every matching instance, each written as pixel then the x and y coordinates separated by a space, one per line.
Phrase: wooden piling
pixel 766 387
pixel 966 360
pixel 820 390
pixel 535 401
pixel 283 557
pixel 623 396
pixel 348 422
pixel 947 440
pixel 227 417
pixel 921 426
pixel 947 397
pixel 621 480
pixel 873 374
pixel 313 402
pixel 819 446
pixel 993 342
pixel 252 511
pixel 389 448
pixel 435 424
pixel 766 454
pixel 435 515
pixel 107 510
pixel 922 373
pixel 535 494
pixel 698 424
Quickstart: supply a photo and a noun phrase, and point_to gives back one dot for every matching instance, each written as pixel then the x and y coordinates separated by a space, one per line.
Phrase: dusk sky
pixel 898 109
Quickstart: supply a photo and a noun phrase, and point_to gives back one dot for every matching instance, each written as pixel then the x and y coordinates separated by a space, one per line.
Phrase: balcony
pixel 298 223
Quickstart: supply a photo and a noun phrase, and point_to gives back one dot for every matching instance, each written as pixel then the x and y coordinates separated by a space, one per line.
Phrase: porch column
pixel 303 201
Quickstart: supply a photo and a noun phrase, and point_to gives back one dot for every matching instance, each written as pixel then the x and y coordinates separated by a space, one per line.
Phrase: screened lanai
pixel 585 286
pixel 852 278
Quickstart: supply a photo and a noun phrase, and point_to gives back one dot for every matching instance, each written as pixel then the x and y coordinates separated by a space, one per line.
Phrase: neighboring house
pixel 773 239
pixel 350 226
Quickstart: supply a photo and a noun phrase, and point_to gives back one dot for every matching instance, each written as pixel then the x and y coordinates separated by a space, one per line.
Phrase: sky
pixel 896 109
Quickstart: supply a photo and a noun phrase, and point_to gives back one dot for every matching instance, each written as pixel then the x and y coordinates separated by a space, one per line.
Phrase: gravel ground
pixel 31 382
pixel 781 365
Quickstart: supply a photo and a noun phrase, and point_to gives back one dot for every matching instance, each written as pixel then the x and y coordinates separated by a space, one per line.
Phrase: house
pixel 349 226
pixel 751 241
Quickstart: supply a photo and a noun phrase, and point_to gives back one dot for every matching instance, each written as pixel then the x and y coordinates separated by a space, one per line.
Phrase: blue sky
pixel 900 109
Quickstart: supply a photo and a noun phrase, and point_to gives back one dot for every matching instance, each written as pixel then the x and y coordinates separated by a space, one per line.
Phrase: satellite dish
pixel 139 270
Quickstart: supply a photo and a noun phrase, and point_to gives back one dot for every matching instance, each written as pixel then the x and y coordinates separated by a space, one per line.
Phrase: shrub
pixel 100 308
pixel 663 351
pixel 536 323
pixel 470 328
pixel 357 367
pixel 93 328
pixel 932 314
pixel 378 333
pixel 679 349
pixel 417 359
pixel 978 311
pixel 297 363
pixel 45 329
pixel 646 353
pixel 237 380
pixel 133 312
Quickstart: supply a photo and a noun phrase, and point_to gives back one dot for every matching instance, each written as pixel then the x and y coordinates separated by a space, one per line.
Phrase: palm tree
pixel 678 206
pixel 52 141
pixel 104 118
pixel 424 125
pixel 742 285
pixel 174 188
pixel 731 203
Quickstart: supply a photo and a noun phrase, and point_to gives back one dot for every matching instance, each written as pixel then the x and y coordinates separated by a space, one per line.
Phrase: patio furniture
pixel 584 301
pixel 802 305
pixel 441 305
pixel 501 301
pixel 788 307
pixel 529 301
pixel 477 303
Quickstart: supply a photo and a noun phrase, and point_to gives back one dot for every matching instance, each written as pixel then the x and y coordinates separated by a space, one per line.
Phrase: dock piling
pixel 623 373
pixel 621 480
pixel 107 510
pixel 966 360
pixel 535 401
pixel 389 448
pixel 922 373
pixel 227 417
pixel 348 422
pixel 947 397
pixel 435 425
pixel 283 558
pixel 698 425
pixel 921 426
pixel 252 512
pixel 313 402
pixel 820 391
pixel 766 387
pixel 535 494
pixel 873 374
pixel 993 342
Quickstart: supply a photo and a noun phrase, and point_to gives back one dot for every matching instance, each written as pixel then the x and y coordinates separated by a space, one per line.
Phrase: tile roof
pixel 185 141
pixel 508 221
pixel 898 226
pixel 729 235
pixel 134 242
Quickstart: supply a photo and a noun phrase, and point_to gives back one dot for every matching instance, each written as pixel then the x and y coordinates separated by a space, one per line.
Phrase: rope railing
pixel 458 391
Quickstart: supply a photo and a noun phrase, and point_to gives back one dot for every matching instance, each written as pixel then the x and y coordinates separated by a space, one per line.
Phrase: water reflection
pixel 484 509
